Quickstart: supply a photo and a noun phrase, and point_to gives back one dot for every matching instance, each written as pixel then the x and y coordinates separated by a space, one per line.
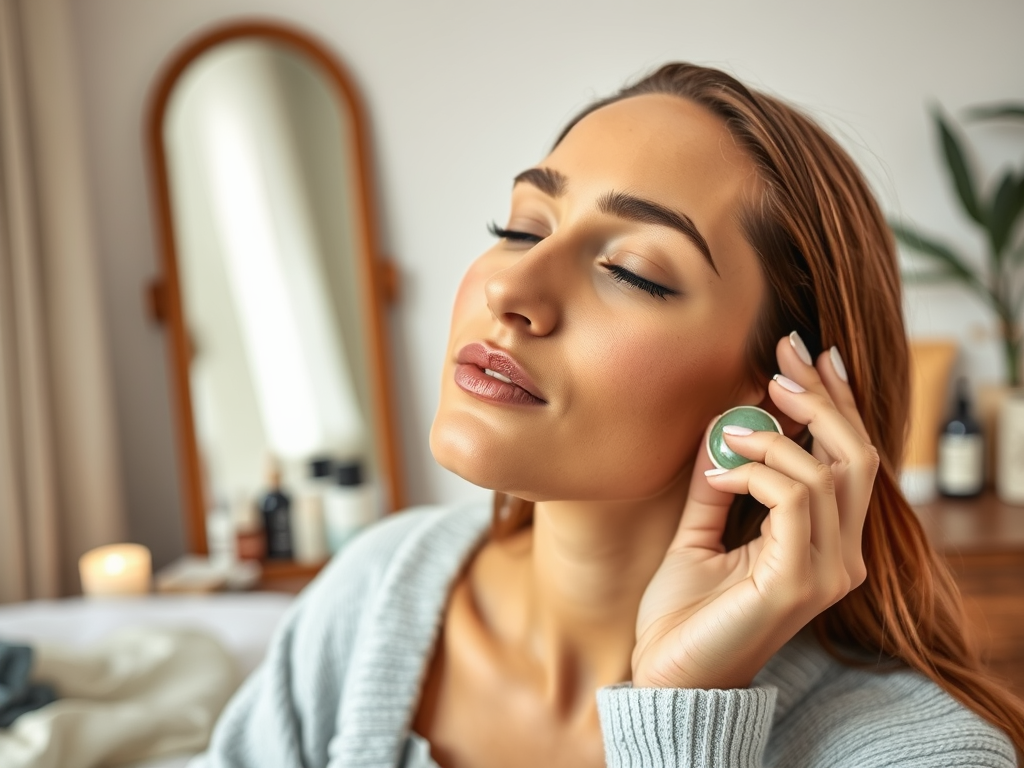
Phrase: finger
pixel 839 432
pixel 706 508
pixel 832 432
pixel 853 460
pixel 788 502
pixel 783 455
pixel 796 363
pixel 832 371
pixel 822 379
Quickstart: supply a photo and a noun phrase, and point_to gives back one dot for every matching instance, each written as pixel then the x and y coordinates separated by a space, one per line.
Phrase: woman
pixel 686 247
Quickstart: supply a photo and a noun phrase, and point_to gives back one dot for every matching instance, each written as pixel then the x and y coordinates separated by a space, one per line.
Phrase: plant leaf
pixel 995 111
pixel 959 170
pixel 1017 255
pixel 1004 210
pixel 948 261
pixel 930 277
pixel 934 249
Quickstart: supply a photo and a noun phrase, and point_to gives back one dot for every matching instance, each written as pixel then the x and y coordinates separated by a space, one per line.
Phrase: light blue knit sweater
pixel 341 682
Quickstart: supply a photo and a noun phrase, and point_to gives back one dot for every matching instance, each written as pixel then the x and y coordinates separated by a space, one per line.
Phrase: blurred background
pixel 459 97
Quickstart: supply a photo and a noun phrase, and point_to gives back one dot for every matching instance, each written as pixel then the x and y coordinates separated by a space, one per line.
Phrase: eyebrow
pixel 634 208
pixel 547 180
pixel 624 206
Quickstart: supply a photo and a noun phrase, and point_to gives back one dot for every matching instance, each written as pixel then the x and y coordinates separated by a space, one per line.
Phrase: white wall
pixel 464 94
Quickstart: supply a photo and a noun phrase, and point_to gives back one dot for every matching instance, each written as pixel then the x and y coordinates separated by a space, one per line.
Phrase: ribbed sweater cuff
pixel 685 728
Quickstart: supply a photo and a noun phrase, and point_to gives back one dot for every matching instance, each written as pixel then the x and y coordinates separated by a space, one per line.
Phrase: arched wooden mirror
pixel 273 289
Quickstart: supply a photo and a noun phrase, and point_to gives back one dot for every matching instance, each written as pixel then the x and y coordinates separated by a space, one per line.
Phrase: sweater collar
pixel 397 635
pixel 401 625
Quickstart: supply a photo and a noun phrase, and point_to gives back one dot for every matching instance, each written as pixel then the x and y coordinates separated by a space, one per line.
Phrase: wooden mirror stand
pixel 378 283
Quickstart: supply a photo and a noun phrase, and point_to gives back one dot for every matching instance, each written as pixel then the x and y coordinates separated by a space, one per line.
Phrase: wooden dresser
pixel 983 540
pixel 287 576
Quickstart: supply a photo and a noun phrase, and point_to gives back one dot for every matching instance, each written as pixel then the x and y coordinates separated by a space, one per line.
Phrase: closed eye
pixel 623 275
pixel 513 235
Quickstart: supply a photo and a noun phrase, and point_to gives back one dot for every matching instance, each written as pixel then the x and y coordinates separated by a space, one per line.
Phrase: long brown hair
pixel 830 263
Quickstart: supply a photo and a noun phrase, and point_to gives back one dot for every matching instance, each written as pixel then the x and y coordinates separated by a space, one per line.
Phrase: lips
pixel 511 385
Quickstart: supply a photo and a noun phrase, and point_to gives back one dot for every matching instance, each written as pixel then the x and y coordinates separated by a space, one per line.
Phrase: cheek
pixel 649 398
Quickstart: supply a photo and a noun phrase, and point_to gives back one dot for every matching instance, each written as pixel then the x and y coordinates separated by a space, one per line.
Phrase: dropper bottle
pixel 277 518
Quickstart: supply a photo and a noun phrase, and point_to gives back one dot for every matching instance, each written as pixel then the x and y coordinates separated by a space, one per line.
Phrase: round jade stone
pixel 749 416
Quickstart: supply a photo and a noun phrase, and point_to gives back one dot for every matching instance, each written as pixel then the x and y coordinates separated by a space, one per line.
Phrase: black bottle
pixel 276 507
pixel 961 467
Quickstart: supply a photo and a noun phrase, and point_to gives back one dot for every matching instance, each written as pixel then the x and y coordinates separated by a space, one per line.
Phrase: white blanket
pixel 139 694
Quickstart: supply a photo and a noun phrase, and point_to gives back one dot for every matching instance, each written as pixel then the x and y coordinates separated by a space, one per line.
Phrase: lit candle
pixel 116 569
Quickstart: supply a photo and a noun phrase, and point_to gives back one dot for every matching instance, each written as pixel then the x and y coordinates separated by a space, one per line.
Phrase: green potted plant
pixel 997 209
pixel 999 284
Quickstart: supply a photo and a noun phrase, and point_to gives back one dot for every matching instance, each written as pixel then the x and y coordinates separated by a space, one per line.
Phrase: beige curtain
pixel 59 485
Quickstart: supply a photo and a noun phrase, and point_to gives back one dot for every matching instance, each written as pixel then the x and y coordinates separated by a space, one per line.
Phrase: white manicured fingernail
pixel 787 383
pixel 714 472
pixel 838 364
pixel 738 431
pixel 801 349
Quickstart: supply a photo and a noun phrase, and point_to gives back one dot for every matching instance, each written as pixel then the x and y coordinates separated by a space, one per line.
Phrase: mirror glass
pixel 264 191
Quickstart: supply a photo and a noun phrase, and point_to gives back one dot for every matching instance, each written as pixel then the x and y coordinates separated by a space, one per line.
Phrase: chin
pixel 458 450
pixel 469 448
pixel 463 448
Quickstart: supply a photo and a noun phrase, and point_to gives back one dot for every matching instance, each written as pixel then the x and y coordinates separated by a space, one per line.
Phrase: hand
pixel 711 618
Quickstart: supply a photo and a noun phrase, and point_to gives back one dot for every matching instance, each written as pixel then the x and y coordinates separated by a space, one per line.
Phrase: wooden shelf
pixel 980 525
pixel 287 575
pixel 983 541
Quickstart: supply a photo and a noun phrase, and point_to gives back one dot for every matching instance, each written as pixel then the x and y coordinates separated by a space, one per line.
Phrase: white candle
pixel 116 569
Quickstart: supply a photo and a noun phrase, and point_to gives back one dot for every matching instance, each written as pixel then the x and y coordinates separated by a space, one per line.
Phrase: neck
pixel 591 563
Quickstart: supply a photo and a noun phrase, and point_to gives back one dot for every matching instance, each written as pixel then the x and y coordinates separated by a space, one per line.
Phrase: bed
pixel 243 623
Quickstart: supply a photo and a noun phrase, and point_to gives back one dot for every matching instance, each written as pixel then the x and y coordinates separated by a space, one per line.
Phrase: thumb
pixel 706 510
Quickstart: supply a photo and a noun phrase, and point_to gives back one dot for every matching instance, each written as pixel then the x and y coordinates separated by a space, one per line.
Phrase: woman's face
pixel 622 302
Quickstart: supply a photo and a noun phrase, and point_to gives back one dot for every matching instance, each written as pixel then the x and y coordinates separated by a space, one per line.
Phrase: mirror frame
pixel 378 275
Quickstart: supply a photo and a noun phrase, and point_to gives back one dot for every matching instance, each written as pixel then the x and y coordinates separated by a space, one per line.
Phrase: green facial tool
pixel 749 416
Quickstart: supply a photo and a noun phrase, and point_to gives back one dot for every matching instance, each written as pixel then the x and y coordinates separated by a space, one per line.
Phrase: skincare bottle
pixel 221 543
pixel 961 466
pixel 348 505
pixel 277 517
pixel 1010 449
pixel 309 535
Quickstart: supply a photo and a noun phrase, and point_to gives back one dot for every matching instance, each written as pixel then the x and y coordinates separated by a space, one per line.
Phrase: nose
pixel 522 296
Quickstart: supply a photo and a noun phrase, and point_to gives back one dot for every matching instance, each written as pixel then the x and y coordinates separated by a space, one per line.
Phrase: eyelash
pixel 512 234
pixel 621 274
pixel 625 276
